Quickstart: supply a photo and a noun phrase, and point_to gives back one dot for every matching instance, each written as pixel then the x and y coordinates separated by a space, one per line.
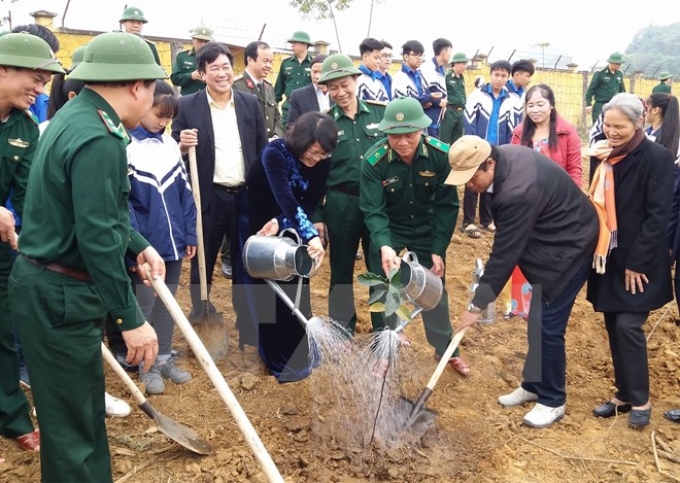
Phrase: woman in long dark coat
pixel 282 190
pixel 633 187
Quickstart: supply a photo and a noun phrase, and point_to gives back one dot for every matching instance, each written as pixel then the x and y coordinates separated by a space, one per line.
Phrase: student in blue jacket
pixel 162 209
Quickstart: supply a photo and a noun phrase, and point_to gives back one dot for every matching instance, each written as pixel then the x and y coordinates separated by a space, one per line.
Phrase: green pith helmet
pixel 133 13
pixel 4 32
pixel 615 58
pixel 302 37
pixel 202 33
pixel 337 66
pixel 664 75
pixel 77 57
pixel 117 56
pixel 403 116
pixel 459 57
pixel 28 51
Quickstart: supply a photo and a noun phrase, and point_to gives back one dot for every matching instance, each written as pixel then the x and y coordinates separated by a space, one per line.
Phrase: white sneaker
pixel 543 416
pixel 517 397
pixel 115 407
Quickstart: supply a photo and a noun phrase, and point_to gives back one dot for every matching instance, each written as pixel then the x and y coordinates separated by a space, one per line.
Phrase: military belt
pixel 455 108
pixel 81 275
pixel 345 189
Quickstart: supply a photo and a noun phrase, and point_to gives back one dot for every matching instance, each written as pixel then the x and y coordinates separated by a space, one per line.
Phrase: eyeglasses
pixel 316 155
pixel 417 56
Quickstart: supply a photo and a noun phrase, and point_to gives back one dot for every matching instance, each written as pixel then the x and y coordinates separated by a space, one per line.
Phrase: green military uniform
pixel 185 64
pixel 407 205
pixel 18 143
pixel 341 213
pixel 662 87
pixel 135 14
pixel 293 74
pixel 604 85
pixel 265 94
pixel 72 272
pixel 452 124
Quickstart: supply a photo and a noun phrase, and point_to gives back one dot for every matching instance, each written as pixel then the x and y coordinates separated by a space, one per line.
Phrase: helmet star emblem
pixel 334 65
pixel 399 116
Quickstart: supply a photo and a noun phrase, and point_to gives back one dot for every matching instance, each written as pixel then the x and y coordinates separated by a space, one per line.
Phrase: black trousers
pixel 219 220
pixel 628 346
pixel 470 199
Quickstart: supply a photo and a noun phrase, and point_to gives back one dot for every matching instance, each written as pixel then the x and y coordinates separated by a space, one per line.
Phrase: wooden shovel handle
pixel 249 434
pixel 120 372
pixel 445 359
pixel 196 190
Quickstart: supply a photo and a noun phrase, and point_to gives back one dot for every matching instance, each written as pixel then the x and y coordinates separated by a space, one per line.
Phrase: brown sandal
pixel 30 441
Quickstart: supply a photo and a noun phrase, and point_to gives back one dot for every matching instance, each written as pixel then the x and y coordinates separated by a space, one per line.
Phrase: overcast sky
pixel 586 30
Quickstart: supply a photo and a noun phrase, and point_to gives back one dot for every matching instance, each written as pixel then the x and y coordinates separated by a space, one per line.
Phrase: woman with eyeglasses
pixel 282 190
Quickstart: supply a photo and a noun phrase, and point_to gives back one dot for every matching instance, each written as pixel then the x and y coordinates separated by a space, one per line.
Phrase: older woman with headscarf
pixel 632 190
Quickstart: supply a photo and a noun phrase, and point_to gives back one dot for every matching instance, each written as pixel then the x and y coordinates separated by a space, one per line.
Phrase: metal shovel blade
pixel 183 435
pixel 419 414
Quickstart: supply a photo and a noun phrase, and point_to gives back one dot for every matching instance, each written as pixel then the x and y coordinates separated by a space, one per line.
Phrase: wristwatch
pixel 473 309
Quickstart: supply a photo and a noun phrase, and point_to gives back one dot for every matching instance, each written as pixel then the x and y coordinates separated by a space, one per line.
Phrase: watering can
pixel 422 287
pixel 277 257
pixel 488 315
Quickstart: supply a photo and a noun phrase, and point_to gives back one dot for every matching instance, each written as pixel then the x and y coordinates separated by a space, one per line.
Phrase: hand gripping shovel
pixel 247 429
pixel 211 327
pixel 185 436
pixel 427 392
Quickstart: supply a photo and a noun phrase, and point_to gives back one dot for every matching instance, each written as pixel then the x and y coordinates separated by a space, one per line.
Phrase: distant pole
pixel 63 16
pixel 542 45
pixel 262 32
pixel 370 19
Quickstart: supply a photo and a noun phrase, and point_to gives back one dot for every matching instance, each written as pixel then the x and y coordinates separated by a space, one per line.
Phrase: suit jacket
pixel 267 100
pixel 302 100
pixel 194 112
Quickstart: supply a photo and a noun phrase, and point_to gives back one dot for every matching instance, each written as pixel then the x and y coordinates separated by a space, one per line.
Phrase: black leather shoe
pixel 609 409
pixel 672 415
pixel 639 418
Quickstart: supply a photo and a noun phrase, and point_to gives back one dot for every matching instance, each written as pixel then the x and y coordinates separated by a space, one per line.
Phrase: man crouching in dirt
pixel 547 226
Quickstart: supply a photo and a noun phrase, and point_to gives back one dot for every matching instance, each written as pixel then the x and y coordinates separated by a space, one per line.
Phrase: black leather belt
pixel 229 189
pixel 81 275
pixel 345 189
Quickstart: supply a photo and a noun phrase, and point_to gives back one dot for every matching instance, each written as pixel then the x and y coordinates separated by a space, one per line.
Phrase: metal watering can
pixel 422 287
pixel 277 257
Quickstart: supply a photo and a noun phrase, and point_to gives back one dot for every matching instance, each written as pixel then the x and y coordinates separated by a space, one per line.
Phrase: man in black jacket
pixel 547 226
pixel 227 129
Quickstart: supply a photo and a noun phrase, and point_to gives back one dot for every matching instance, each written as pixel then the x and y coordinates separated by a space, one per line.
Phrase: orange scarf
pixel 602 194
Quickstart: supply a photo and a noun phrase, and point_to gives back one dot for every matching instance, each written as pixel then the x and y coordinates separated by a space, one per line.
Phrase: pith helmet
pixel 459 57
pixel 302 37
pixel 133 13
pixel 28 51
pixel 615 58
pixel 404 115
pixel 202 33
pixel 664 75
pixel 117 56
pixel 77 57
pixel 337 66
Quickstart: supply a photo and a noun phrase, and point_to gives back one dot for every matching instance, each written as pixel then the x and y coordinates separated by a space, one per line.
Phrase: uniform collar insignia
pixel 118 131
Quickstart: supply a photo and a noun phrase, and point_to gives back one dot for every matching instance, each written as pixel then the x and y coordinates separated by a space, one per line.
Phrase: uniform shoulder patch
pixel 377 152
pixel 375 103
pixel 118 131
pixel 32 116
pixel 437 144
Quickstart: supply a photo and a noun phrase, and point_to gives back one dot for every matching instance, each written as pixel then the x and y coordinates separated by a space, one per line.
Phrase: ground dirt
pixel 474 438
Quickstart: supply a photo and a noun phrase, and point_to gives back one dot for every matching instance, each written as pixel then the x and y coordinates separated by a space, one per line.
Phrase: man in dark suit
pixel 227 128
pixel 313 97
